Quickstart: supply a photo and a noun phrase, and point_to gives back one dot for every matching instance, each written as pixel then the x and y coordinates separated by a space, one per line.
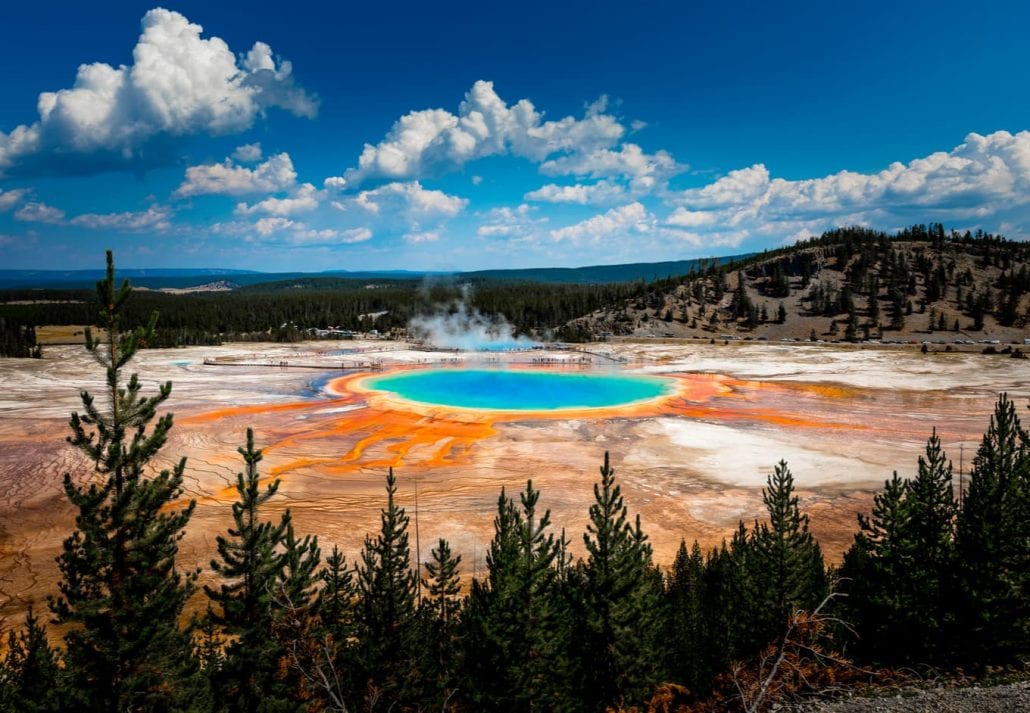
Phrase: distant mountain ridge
pixel 595 274
pixel 164 278
pixel 159 278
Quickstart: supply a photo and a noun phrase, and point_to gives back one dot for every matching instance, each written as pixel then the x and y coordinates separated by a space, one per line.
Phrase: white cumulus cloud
pixel 982 177
pixel 410 198
pixel 248 153
pixel 424 236
pixel 226 178
pixel 580 193
pixel 355 235
pixel 302 235
pixel 179 84
pixel 619 222
pixel 11 198
pixel 304 199
pixel 505 222
pixel 267 226
pixel 154 218
pixel 683 218
pixel 644 171
pixel 431 141
pixel 36 212
pixel 278 229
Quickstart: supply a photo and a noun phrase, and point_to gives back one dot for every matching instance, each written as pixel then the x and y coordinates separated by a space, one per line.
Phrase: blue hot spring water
pixel 515 390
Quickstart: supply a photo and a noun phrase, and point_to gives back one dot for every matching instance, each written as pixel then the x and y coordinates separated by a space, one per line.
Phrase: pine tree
pixel 928 537
pixel 386 605
pixel 30 674
pixel 295 621
pixel 299 562
pixel 897 573
pixel 335 604
pixel 897 309
pixel 786 563
pixel 741 304
pixel 873 310
pixel 687 644
pixel 851 327
pixel 622 601
pixel 492 628
pixel 440 612
pixel 516 628
pixel 209 652
pixel 251 568
pixel 993 544
pixel 120 592
pixel 336 631
pixel 442 585
pixel 723 593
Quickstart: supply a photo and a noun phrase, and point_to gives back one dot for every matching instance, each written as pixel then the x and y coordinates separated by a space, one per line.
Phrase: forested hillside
pixel 848 284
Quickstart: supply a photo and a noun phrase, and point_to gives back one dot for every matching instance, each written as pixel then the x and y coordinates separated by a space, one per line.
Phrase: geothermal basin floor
pixel 692 466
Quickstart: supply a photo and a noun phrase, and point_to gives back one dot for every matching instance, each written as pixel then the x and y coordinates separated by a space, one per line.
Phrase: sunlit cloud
pixel 179 84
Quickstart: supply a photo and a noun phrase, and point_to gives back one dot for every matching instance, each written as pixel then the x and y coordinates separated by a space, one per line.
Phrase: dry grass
pixel 65 334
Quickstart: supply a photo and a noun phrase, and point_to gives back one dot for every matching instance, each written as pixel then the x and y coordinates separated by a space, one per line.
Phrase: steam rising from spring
pixel 456 325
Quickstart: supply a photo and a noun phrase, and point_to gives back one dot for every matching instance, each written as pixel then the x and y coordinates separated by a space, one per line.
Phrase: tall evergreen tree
pixel 787 565
pixel 687 639
pixel 120 592
pixel 993 543
pixel 251 675
pixel 870 570
pixel 729 596
pixel 516 629
pixel 336 598
pixel 440 611
pixel 930 511
pixel 622 602
pixel 897 572
pixel 873 310
pixel 336 630
pixel 442 585
pixel 295 619
pixel 386 606
pixel 300 560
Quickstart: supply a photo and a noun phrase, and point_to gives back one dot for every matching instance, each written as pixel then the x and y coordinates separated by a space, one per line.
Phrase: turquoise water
pixel 502 390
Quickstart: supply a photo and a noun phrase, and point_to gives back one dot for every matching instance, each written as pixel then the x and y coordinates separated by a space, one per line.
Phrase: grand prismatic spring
pixel 521 390
pixel 693 430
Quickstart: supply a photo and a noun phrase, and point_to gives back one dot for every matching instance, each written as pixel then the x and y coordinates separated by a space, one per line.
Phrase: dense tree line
pixel 930 578
pixel 945 581
pixel 282 312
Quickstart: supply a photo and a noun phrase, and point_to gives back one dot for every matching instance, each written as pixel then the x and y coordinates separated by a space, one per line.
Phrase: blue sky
pixel 473 135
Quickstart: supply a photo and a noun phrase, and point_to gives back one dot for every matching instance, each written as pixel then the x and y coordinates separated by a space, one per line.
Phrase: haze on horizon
pixel 469 137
